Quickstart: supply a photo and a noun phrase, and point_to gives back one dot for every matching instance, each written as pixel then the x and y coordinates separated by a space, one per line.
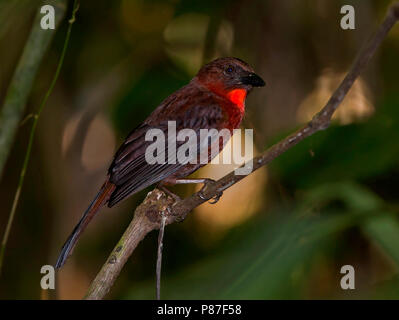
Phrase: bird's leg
pixel 192 181
pixel 205 181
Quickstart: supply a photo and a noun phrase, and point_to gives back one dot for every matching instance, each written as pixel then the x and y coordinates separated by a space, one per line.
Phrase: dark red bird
pixel 214 99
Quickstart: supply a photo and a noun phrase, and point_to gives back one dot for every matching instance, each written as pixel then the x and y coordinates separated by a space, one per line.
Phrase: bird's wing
pixel 131 172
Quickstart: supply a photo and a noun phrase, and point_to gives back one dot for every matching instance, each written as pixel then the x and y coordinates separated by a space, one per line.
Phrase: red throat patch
pixel 237 96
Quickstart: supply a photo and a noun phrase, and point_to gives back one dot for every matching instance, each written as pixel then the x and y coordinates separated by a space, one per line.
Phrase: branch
pixel 147 216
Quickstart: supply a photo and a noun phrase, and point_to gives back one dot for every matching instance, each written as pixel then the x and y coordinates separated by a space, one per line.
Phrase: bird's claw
pixel 201 195
pixel 215 198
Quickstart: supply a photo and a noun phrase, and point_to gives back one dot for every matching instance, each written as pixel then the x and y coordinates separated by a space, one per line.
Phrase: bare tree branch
pixel 147 216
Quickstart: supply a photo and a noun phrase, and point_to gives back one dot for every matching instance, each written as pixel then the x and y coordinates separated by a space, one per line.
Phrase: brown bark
pixel 147 216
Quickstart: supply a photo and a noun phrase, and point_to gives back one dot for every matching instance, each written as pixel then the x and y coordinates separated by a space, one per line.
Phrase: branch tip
pixel 158 209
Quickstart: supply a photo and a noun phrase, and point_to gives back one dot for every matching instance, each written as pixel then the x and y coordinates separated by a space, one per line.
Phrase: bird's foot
pixel 208 183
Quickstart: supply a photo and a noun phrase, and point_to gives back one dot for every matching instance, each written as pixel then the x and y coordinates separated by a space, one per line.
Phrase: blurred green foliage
pixel 332 200
pixel 357 151
pixel 273 257
pixel 145 93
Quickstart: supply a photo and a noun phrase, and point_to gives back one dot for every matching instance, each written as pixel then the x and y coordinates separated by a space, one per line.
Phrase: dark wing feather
pixel 130 171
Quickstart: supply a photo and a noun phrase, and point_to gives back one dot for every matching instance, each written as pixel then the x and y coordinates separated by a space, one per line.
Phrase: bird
pixel 213 99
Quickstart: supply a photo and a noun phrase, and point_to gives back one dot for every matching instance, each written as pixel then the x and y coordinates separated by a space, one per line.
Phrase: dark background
pixel 283 232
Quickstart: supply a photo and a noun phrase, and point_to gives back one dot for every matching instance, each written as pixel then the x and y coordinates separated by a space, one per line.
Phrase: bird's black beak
pixel 253 79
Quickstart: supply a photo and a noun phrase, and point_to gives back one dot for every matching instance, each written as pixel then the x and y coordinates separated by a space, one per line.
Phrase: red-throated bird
pixel 214 99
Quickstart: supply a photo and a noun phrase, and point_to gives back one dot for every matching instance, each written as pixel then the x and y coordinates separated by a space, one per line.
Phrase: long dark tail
pixel 100 199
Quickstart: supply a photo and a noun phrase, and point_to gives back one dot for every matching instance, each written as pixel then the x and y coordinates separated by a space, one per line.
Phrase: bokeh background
pixel 283 232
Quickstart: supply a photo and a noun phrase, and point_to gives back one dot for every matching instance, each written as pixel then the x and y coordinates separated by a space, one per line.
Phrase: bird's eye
pixel 229 70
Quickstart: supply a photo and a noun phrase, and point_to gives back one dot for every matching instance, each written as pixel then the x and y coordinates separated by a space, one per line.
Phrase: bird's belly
pixel 235 115
pixel 208 154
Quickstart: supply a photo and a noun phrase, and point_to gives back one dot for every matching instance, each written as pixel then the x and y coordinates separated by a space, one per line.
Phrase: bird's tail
pixel 100 199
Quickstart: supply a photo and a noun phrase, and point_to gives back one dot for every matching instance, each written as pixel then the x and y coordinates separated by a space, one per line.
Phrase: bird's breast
pixel 234 114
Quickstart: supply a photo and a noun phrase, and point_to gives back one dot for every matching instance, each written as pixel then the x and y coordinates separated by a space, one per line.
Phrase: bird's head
pixel 230 77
